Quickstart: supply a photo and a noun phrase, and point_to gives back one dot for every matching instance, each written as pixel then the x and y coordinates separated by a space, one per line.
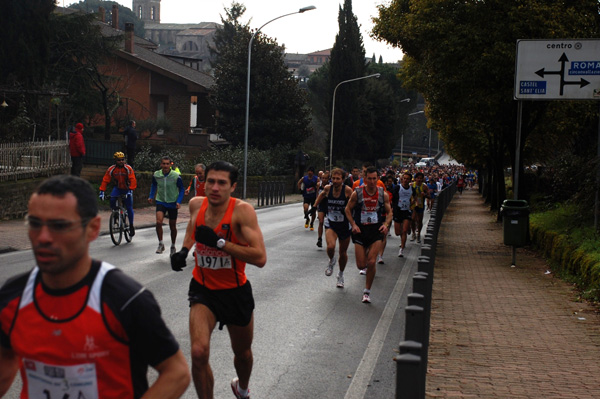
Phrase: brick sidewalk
pixel 502 332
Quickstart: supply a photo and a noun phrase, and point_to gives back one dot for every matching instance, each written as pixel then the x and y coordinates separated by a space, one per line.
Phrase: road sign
pixel 557 69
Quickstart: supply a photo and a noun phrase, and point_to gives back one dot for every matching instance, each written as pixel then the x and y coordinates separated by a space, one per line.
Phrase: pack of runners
pixel 361 206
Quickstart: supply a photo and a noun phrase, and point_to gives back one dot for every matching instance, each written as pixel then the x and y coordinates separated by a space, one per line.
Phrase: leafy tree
pixel 78 51
pixel 374 106
pixel 24 48
pixel 62 52
pixel 388 108
pixel 460 55
pixel 347 62
pixel 278 112
pixel 225 36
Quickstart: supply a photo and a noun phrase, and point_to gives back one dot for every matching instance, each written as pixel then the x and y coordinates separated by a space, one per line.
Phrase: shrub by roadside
pixel 572 249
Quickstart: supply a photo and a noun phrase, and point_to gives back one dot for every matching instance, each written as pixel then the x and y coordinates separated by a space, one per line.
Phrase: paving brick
pixel 503 332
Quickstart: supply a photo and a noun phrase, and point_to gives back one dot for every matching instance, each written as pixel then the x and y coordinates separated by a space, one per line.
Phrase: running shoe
pixel 380 259
pixel 340 281
pixel 320 242
pixel 330 266
pixel 312 228
pixel 363 271
pixel 418 239
pixel 235 383
pixel 400 253
pixel 173 249
pixel 366 298
pixel 160 249
pixel 413 237
pixel 131 231
pixel 306 225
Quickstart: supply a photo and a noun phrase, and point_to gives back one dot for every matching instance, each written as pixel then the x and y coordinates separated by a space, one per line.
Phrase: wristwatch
pixel 221 243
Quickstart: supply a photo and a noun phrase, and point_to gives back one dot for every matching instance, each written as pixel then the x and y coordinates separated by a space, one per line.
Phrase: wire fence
pixel 32 159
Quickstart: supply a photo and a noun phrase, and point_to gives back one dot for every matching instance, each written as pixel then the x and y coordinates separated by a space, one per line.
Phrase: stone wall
pixel 14 197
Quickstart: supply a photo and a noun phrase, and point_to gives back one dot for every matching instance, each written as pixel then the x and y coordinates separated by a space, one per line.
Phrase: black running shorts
pixel 369 233
pixel 232 306
pixel 170 213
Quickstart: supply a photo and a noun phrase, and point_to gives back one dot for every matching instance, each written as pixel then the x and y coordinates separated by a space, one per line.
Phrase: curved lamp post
pixel 375 75
pixel 300 11
pixel 402 140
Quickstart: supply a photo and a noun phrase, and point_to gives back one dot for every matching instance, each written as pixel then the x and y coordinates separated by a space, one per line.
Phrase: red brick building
pixel 152 86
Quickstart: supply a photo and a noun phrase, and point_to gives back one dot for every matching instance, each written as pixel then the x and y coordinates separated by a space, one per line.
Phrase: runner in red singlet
pixel 77 327
pixel 364 211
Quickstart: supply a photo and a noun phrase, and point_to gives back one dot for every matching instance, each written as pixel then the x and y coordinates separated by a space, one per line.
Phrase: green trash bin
pixel 515 222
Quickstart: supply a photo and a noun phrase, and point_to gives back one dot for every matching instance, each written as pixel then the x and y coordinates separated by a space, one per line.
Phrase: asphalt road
pixel 312 340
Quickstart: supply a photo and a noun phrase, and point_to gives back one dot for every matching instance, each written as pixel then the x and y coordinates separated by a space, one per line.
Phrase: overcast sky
pixel 301 33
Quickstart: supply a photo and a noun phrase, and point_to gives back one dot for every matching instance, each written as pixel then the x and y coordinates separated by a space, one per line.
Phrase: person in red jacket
pixel 77 149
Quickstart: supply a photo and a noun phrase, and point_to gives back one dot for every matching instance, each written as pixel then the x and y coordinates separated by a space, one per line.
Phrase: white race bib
pixel 215 259
pixel 48 381
pixel 335 216
pixel 404 203
pixel 367 217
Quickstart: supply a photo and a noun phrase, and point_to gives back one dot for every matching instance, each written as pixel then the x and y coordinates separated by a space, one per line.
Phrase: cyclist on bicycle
pixel 125 182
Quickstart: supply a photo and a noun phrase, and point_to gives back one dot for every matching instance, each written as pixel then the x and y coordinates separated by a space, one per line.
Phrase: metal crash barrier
pixel 411 364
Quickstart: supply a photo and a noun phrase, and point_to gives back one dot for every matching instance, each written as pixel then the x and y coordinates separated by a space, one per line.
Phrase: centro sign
pixel 557 69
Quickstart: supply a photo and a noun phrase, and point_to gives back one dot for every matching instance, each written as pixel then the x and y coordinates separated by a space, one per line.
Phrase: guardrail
pixel 32 159
pixel 411 363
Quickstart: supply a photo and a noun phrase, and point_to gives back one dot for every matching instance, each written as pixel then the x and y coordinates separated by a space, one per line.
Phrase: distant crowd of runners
pixel 362 204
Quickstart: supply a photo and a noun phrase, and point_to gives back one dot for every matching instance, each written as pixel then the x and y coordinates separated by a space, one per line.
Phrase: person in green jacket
pixel 167 188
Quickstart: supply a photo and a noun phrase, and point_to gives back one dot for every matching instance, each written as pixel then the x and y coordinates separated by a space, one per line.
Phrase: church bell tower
pixel 147 10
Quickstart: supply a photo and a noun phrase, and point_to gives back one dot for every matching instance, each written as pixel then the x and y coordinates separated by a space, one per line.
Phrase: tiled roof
pixel 321 52
pixel 172 69
pixel 295 57
pixel 144 56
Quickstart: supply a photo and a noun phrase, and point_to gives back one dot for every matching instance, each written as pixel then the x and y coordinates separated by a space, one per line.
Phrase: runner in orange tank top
pixel 77 327
pixel 226 236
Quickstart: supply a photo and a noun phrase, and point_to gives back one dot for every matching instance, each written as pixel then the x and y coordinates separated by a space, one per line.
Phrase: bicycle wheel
pixel 125 225
pixel 114 226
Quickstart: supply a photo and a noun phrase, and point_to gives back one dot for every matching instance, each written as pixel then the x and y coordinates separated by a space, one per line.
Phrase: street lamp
pixel 300 11
pixel 375 75
pixel 402 140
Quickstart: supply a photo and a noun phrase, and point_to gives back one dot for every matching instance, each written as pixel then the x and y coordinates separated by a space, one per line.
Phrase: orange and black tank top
pixel 92 340
pixel 72 357
pixel 216 269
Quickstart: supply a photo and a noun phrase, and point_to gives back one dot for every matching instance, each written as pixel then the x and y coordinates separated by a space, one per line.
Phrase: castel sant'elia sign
pixel 557 69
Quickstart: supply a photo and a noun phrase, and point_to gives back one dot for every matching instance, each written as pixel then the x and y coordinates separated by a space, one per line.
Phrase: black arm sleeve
pixel 148 336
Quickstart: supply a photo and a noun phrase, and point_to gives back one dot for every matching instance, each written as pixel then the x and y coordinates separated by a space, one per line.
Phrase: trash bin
pixel 515 222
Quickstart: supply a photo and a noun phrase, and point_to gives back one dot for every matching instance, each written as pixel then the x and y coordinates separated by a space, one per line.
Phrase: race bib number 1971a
pixel 211 258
